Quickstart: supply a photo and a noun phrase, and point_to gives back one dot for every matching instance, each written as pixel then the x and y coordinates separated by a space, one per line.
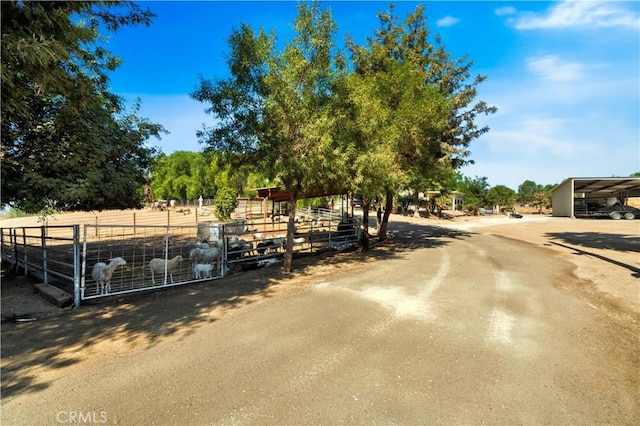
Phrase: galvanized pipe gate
pixel 126 258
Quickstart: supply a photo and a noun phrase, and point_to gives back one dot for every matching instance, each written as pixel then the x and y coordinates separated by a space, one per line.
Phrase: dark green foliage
pixel 476 193
pixel 67 143
pixel 527 191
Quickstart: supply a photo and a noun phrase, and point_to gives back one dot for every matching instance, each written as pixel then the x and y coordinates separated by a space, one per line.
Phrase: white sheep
pixel 191 245
pixel 199 268
pixel 102 273
pixel 209 255
pixel 158 266
pixel 236 243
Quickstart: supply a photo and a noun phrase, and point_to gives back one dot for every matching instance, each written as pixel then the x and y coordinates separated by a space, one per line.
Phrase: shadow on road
pixel 599 240
pixel 68 337
pixel 407 236
pixel 636 271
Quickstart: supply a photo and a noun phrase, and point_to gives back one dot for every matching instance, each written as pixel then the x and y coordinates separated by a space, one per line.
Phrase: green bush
pixel 226 202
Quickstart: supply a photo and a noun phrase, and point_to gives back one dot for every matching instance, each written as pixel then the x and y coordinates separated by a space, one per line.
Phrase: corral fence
pixel 94 261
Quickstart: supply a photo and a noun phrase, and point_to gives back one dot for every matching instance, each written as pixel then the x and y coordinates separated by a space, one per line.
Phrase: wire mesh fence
pixel 96 261
pixel 126 258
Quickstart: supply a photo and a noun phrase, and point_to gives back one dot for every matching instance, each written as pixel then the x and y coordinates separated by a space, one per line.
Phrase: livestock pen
pixel 66 255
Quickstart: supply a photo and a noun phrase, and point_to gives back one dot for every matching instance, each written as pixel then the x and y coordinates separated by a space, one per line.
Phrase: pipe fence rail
pixel 95 261
pixel 46 252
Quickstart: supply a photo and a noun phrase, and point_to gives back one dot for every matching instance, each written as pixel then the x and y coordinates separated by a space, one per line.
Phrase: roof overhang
pixel 611 185
pixel 278 194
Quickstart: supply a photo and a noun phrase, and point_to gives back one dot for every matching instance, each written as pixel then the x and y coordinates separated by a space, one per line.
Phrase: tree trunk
pixel 366 205
pixel 291 229
pixel 416 211
pixel 382 230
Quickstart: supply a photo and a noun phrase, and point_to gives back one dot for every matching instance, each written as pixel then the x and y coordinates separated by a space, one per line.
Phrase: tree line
pixel 186 175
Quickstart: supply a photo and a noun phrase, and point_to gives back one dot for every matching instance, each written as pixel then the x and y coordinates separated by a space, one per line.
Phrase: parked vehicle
pixel 618 211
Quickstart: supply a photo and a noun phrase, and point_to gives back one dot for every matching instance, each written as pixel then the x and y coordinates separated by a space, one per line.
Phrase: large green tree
pixel 67 142
pixel 527 191
pixel 395 117
pixel 428 100
pixel 275 110
pixel 502 196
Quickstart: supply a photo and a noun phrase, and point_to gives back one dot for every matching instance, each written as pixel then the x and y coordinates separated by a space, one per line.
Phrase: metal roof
pixel 608 185
pixel 278 194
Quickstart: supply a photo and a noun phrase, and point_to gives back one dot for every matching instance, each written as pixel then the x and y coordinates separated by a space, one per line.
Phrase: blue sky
pixel 565 76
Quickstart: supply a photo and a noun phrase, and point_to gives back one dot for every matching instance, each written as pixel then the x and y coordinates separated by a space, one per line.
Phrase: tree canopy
pixel 414 114
pixel 394 113
pixel 67 142
pixel 275 110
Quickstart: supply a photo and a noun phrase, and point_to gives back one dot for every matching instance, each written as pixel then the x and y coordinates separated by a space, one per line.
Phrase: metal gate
pixel 109 260
pixel 119 259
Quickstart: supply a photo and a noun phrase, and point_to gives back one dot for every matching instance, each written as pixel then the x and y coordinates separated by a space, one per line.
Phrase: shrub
pixel 226 202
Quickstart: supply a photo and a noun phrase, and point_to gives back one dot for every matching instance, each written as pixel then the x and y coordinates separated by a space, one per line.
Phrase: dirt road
pixel 456 325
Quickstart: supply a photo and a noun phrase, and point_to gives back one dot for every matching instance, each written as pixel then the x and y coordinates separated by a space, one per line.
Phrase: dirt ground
pixel 606 253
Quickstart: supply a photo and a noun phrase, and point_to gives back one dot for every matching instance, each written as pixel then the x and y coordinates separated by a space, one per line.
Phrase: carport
pixel 578 196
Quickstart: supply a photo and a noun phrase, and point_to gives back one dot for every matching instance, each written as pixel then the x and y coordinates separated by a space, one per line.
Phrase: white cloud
pixel 447 21
pixel 552 68
pixel 506 10
pixel 533 135
pixel 591 14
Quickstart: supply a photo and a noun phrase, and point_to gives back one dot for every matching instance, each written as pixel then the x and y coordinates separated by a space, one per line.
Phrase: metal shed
pixel 574 195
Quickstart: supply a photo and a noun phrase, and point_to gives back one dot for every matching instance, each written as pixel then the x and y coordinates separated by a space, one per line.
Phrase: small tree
pixel 226 202
pixel 543 198
pixel 476 192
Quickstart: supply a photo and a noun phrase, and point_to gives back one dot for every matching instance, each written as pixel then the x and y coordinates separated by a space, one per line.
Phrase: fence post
pixel 24 250
pixel 76 265
pixel 83 269
pixel 43 239
pixel 166 251
pixel 223 259
pixel 13 241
